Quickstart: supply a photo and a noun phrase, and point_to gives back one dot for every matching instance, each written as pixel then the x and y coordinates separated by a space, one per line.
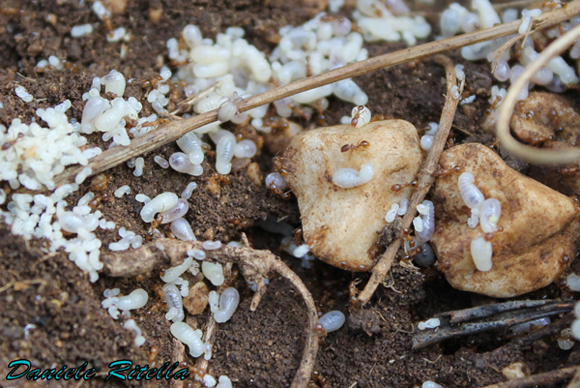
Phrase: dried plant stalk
pixel 426 179
pixel 176 129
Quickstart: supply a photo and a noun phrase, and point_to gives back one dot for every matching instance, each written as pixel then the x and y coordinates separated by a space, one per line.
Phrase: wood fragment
pixel 425 180
pixel 175 129
pixel 547 379
pixel 504 319
pixel 491 309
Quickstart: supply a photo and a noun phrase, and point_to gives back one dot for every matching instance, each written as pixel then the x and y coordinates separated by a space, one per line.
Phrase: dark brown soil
pixel 255 349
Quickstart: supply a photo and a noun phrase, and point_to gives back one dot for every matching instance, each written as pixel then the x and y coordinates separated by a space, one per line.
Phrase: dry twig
pixel 255 265
pixel 542 379
pixel 489 317
pixel 174 130
pixel 426 179
pixel 528 153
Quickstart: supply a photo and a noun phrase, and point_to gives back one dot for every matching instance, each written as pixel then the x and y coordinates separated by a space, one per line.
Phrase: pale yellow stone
pixel 536 234
pixel 342 225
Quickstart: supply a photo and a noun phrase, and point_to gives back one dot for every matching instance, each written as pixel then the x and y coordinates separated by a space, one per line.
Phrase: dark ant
pixel 356 117
pixel 398 187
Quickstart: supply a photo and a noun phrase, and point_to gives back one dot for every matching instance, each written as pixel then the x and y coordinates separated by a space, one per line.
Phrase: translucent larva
pixel 481 253
pixel 471 195
pixel 332 321
pixel 428 218
pixel 214 272
pixel 135 300
pixel 174 300
pixel 182 230
pixel 178 211
pixel 229 300
pixel 192 338
pixel 190 144
pixel 158 204
pixel 490 214
pixel 169 275
pixel 225 153
pixel 348 177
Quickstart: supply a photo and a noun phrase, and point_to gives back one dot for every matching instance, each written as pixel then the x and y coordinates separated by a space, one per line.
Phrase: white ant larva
pixel 361 115
pixel 348 178
pixel 229 108
pixel 471 195
pixel 192 338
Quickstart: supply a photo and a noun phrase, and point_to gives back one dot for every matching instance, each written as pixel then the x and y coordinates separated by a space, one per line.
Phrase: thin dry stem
pixel 575 382
pixel 528 153
pixel 426 179
pixel 174 130
pixel 542 379
pixel 254 264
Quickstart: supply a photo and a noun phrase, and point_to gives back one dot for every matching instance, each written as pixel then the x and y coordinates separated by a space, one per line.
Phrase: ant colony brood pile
pixel 502 256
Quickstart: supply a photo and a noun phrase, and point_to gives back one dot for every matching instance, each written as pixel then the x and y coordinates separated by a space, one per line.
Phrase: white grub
pixel 209 381
pixel 455 92
pixel 81 176
pixel 158 204
pixel 110 292
pixel 418 224
pixel 114 83
pixel 348 178
pixel 245 149
pixel 573 282
pixel 142 198
pixel 403 206
pixel 207 351
pixel 225 153
pixel 174 302
pixel 171 274
pixel 161 161
pixel 181 162
pixel 490 212
pixel 224 382
pixel 332 320
pixel 139 165
pixel 427 142
pixel 192 338
pixel 131 325
pixel 429 324
pixel 214 272
pixel 188 192
pixel 229 300
pixel 190 144
pixel 23 94
pixel 122 191
pixel 211 245
pixel 459 73
pixel 566 340
pixel 135 300
pixel 81 30
pixel 177 211
pixel 481 253
pixel 430 384
pixel 427 214
pixel 473 220
pixel 471 195
pixel 229 108
pixel 182 230
pixel 301 251
pixel 392 213
pixel 197 254
pixel 360 115
pixel 528 327
pixel 275 180
pixel 213 300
